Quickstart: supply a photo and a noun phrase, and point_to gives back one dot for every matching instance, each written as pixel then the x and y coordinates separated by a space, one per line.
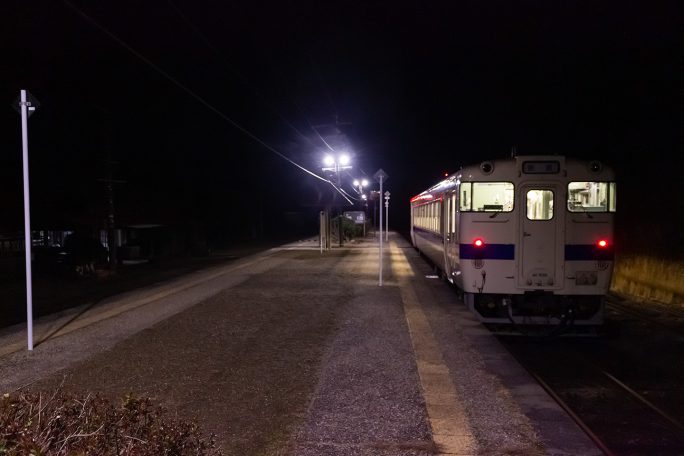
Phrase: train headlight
pixel 478 243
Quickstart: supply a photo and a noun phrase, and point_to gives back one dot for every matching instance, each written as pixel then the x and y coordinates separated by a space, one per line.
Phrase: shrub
pixel 349 228
pixel 63 424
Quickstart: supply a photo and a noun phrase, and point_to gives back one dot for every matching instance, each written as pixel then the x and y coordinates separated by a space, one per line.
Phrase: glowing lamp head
pixel 356 183
pixel 328 160
pixel 364 183
pixel 602 244
pixel 479 243
pixel 344 159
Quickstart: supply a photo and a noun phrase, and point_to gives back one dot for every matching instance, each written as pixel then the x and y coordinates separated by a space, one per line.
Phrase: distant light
pixel 356 183
pixel 364 197
pixel 478 242
pixel 329 160
pixel 446 174
pixel 364 182
pixel 602 243
pixel 344 159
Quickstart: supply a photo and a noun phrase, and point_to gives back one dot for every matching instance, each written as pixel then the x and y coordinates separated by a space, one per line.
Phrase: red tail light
pixel 602 244
pixel 479 243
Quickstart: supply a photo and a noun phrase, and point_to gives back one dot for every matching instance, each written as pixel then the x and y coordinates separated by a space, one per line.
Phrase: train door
pixel 451 236
pixel 541 249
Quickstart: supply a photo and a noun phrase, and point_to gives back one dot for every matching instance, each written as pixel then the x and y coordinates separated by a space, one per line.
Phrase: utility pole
pixel 111 226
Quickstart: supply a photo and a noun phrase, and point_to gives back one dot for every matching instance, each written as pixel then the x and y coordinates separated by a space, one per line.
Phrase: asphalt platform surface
pixel 294 351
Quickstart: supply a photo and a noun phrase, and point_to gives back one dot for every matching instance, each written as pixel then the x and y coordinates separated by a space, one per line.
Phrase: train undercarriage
pixel 544 310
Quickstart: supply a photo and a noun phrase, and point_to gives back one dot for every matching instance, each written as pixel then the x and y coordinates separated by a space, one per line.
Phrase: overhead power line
pixel 242 79
pixel 192 93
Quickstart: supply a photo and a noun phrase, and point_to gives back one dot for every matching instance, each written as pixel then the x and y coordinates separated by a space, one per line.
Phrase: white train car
pixel 528 240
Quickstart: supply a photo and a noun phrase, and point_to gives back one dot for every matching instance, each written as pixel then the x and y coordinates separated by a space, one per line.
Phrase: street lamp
pixel 335 165
pixel 360 184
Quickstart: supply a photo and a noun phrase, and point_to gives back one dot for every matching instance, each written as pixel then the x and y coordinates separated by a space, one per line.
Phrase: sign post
pixel 380 176
pixel 26 105
pixel 387 197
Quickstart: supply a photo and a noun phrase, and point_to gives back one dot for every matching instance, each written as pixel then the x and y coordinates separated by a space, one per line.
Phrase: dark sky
pixel 416 88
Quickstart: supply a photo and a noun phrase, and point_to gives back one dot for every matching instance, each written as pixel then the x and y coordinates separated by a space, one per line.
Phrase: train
pixel 526 240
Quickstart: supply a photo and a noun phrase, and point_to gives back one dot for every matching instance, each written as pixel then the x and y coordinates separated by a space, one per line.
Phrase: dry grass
pixel 61 424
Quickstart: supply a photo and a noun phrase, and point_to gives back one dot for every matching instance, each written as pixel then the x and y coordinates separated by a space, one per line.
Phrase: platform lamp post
pixel 335 165
pixel 26 104
pixel 365 208
pixel 380 176
pixel 360 184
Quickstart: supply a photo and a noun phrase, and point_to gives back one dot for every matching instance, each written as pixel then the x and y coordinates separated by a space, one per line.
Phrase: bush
pixel 349 228
pixel 61 425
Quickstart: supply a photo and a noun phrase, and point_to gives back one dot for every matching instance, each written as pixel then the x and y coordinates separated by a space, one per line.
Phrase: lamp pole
pixel 335 165
pixel 380 176
pixel 26 105
pixel 360 184
pixel 365 207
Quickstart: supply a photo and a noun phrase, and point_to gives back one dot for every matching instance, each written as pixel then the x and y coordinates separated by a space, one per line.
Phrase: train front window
pixel 591 196
pixel 487 196
pixel 540 204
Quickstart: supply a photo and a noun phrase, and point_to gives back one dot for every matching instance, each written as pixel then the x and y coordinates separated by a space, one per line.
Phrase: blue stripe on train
pixel 573 252
pixel 488 252
pixel 587 252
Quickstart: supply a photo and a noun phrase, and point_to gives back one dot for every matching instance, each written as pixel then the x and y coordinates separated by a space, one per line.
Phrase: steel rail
pixel 645 401
pixel 594 438
pixel 628 310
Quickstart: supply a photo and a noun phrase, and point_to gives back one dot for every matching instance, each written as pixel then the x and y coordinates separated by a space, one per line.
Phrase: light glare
pixel 329 160
pixel 344 159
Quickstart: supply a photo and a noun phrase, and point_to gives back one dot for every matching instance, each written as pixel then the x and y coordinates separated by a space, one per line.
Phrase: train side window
pixel 466 192
pixel 453 213
pixel 539 204
pixel 591 197
pixel 447 221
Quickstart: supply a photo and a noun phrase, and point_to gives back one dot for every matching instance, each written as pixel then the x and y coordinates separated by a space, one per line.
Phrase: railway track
pixel 654 313
pixel 624 390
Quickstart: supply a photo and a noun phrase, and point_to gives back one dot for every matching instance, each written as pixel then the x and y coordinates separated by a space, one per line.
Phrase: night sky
pixel 168 90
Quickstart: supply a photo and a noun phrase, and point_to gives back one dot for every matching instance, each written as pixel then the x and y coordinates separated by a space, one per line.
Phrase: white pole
pixel 320 230
pixel 380 239
pixel 386 219
pixel 27 221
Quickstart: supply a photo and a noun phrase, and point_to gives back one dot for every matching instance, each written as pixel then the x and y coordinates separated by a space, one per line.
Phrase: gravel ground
pixel 368 400
pixel 297 353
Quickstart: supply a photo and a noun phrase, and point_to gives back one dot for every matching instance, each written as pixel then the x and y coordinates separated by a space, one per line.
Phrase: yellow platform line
pixel 451 430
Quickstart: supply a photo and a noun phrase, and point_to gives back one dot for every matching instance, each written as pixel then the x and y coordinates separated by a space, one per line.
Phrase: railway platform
pixel 294 351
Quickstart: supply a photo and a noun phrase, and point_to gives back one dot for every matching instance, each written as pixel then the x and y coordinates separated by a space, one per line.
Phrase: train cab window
pixel 487 196
pixel 591 196
pixel 539 204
